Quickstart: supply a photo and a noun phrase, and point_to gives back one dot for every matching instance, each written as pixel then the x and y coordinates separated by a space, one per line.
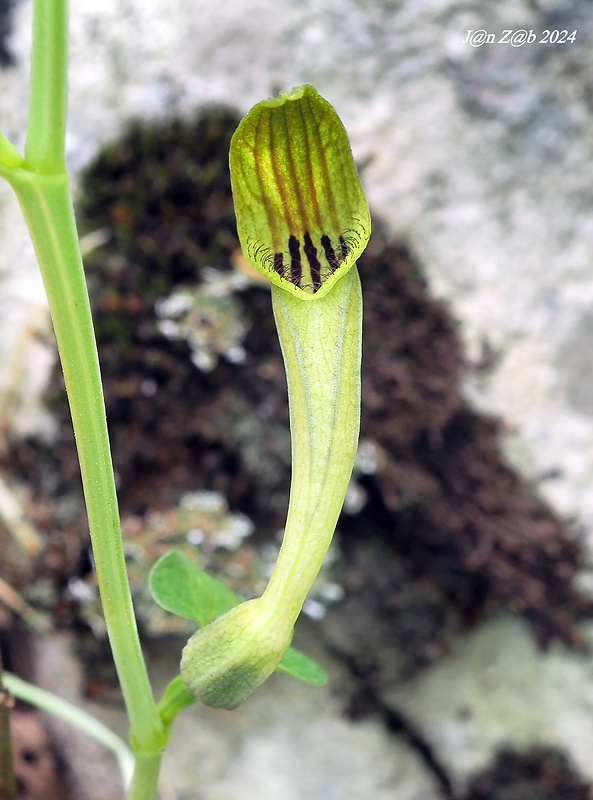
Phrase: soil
pixel 537 774
pixel 39 771
pixel 6 7
pixel 446 532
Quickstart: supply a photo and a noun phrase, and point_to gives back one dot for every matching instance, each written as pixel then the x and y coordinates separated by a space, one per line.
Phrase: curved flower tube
pixel 303 221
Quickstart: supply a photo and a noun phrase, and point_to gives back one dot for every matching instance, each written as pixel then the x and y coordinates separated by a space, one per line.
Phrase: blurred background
pixel 454 611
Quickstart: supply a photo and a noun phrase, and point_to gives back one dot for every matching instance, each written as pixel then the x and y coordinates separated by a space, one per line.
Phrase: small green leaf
pixel 182 588
pixel 298 665
pixel 302 216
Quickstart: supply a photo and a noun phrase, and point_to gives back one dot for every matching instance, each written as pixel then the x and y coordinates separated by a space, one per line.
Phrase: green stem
pixel 74 716
pixel 48 93
pixel 7 779
pixel 47 207
pixel 42 187
pixel 146 776
pixel 174 699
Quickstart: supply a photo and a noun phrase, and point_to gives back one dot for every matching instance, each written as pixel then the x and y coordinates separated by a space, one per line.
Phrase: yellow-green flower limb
pixel 302 216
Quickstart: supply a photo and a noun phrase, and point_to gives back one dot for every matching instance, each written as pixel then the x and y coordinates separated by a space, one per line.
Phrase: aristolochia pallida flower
pixel 303 221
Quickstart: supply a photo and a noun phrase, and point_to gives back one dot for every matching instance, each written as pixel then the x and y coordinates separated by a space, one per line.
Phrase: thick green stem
pixel 41 184
pixel 146 776
pixel 48 93
pixel 47 207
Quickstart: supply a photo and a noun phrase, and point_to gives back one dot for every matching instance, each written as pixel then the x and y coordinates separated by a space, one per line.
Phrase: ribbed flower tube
pixel 303 221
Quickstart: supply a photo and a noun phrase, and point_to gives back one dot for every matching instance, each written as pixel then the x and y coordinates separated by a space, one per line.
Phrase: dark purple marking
pixel 295 260
pixel 311 253
pixel 330 253
pixel 343 248
pixel 279 263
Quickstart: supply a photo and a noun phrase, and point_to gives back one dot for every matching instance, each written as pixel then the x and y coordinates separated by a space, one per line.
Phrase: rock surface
pixel 495 691
pixel 480 157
